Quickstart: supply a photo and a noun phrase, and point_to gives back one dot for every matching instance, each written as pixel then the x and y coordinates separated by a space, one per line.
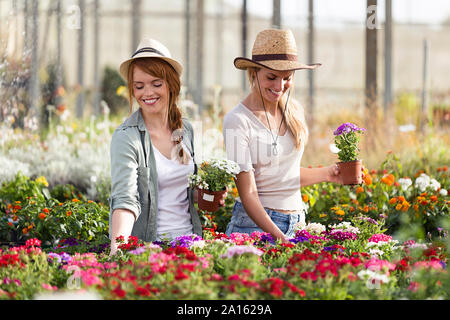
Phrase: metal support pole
pixel 276 16
pixel 424 105
pixel 80 97
pixel 199 55
pixel 135 23
pixel 244 40
pixel 371 58
pixel 34 80
pixel 388 58
pixel 96 102
pixel 311 60
pixel 187 41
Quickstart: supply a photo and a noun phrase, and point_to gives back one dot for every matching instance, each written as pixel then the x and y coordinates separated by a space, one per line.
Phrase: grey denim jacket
pixel 134 179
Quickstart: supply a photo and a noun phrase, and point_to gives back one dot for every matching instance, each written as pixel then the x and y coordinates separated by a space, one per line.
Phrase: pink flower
pixel 380 265
pixel 49 287
pixel 433 264
pixel 380 237
pixel 240 238
pixel 413 286
pixel 89 278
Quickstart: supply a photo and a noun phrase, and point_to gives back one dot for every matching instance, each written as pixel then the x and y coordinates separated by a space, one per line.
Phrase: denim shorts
pixel 242 223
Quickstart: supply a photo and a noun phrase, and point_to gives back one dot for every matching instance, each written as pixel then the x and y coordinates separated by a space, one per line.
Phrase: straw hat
pixel 150 48
pixel 274 49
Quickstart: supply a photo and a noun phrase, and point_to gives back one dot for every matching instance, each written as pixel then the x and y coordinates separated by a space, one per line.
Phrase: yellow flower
pixel 340 212
pixel 335 208
pixel 120 90
pixel 322 215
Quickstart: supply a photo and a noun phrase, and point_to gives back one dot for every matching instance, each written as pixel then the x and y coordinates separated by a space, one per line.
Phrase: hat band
pixel 281 56
pixel 147 49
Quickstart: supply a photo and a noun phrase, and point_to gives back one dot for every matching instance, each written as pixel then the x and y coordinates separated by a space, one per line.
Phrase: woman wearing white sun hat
pixel 266 134
pixel 152 153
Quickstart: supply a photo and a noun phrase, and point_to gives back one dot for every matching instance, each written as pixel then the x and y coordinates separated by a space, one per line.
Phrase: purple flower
pixel 185 241
pixel 62 258
pixel 347 128
pixel 138 251
pixel 370 220
pixel 341 235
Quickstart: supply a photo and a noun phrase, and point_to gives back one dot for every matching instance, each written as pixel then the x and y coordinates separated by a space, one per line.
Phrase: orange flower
pixel 42 216
pixel 393 201
pixel 398 207
pixel 388 179
pixel 75 200
pixel 433 198
pixel 368 179
pixel 444 168
pixel 24 230
pixel 68 213
pixel 359 190
pixel 401 198
pixel 366 209
pixel 416 207
pixel 340 212
pixel 15 218
pixel 17 207
pixel 305 198
pixel 45 210
pixel 419 173
pixel 351 209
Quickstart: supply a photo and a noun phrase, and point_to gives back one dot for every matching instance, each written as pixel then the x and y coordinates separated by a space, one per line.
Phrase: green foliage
pixel 28 210
pixel 111 81
pixel 347 143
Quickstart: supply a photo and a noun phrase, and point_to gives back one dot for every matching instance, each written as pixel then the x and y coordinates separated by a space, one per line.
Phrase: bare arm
pixel 331 173
pixel 245 183
pixel 121 225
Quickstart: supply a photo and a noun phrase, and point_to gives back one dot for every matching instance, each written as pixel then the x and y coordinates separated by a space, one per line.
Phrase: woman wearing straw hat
pixel 152 153
pixel 266 134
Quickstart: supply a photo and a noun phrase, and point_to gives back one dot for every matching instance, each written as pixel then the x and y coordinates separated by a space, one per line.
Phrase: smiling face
pixel 151 93
pixel 273 84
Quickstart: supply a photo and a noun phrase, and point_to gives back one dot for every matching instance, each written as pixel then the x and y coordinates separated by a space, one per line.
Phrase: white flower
pixel 373 276
pixel 443 192
pixel 345 226
pixel 315 228
pixel 376 252
pixel 434 184
pixel 198 244
pixel 422 182
pixel 405 183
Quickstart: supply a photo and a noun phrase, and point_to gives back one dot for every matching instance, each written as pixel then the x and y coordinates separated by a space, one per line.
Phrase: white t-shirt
pixel 249 143
pixel 173 203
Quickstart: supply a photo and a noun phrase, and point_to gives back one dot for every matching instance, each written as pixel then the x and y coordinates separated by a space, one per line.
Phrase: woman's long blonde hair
pixel 161 69
pixel 294 113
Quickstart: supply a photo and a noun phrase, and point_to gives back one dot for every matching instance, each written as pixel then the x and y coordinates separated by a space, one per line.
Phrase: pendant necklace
pixel 274 140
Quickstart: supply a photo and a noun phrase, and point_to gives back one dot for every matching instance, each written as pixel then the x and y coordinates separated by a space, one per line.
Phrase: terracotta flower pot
pixel 209 200
pixel 350 172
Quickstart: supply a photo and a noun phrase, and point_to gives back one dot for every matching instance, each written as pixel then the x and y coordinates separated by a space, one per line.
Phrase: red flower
pixel 119 292
pixel 144 292
pixel 180 275
pixel 33 242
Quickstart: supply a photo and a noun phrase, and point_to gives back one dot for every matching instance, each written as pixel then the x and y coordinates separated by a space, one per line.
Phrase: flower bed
pixel 345 261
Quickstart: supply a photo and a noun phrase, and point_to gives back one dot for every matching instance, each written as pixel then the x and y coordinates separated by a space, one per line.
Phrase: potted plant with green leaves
pixel 211 181
pixel 346 139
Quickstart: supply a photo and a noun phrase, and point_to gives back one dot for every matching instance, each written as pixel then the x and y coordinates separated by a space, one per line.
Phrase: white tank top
pixel 173 203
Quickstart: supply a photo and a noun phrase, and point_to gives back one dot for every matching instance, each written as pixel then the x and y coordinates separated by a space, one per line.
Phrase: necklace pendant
pixel 274 149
